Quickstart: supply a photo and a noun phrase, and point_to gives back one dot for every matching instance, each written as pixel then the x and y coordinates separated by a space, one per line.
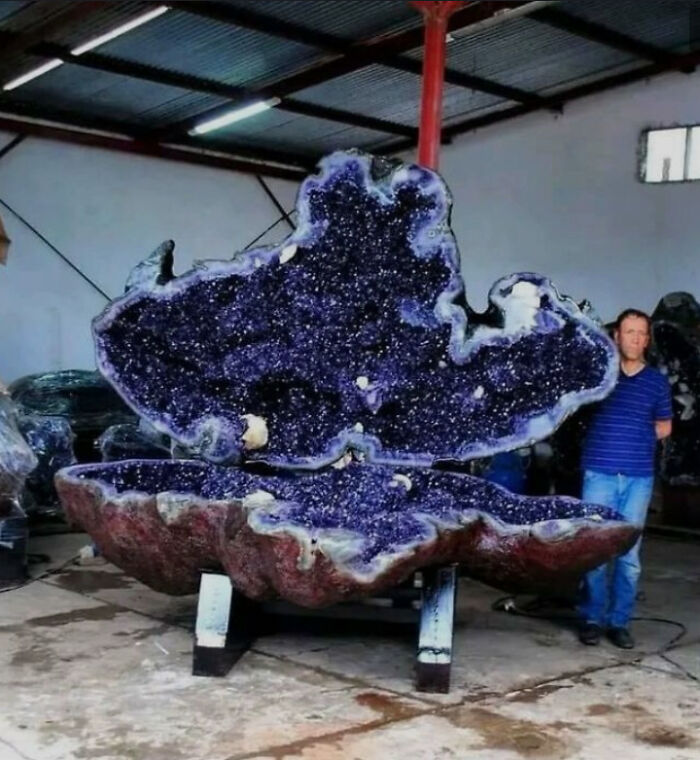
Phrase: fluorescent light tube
pixel 144 18
pixel 90 45
pixel 33 74
pixel 237 114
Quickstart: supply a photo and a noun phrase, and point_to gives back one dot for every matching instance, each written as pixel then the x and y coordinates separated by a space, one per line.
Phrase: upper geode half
pixel 354 332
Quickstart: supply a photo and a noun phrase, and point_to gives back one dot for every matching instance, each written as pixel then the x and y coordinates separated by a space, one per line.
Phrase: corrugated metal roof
pixel 107 17
pixel 531 56
pixel 302 134
pixel 33 16
pixel 353 19
pixel 8 7
pixel 117 97
pixel 521 53
pixel 93 21
pixel 186 43
pixel 672 24
pixel 390 94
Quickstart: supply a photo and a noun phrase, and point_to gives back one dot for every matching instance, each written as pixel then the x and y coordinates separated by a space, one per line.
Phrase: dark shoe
pixel 621 637
pixel 590 634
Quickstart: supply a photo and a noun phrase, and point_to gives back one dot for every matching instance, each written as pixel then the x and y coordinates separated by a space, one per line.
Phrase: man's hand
pixel 663 429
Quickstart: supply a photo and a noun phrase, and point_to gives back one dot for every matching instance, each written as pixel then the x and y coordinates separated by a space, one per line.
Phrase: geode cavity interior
pixel 352 333
pixel 319 538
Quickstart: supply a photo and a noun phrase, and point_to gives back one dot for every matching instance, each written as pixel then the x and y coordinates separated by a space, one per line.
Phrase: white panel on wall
pixel 105 211
pixel 665 159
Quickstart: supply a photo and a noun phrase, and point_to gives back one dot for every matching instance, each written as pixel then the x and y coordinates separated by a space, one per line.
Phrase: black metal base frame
pixel 228 623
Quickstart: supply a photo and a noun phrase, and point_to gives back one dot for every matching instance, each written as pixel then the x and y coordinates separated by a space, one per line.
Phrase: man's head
pixel 632 333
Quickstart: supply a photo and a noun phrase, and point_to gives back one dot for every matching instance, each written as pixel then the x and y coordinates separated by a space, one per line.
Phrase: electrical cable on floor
pixel 41 576
pixel 677 665
pixel 38 559
pixel 508 604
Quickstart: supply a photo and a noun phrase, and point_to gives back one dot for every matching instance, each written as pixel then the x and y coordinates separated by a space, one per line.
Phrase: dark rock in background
pixel 676 352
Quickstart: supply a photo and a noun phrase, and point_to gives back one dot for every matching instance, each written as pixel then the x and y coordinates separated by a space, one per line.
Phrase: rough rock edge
pixel 165 539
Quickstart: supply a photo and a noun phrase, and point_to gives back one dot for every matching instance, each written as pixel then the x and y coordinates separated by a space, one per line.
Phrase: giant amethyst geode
pixel 322 537
pixel 353 333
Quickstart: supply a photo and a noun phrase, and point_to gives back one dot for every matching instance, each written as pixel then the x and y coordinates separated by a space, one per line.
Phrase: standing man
pixel 618 464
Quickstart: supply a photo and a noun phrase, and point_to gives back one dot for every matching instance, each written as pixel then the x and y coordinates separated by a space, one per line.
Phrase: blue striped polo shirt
pixel 621 438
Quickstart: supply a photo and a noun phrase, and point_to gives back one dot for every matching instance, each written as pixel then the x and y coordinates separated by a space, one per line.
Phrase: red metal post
pixel 435 15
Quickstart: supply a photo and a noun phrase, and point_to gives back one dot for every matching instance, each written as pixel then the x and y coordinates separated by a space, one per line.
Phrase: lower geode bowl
pixel 324 537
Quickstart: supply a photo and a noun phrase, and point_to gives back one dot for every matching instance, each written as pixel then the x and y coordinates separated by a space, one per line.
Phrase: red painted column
pixel 435 15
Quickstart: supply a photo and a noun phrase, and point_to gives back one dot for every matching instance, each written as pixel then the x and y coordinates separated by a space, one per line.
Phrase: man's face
pixel 632 338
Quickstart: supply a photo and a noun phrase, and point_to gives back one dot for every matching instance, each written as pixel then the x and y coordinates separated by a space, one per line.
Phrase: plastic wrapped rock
pixel 353 333
pixel 133 441
pixel 17 459
pixel 676 351
pixel 82 397
pixel 323 537
pixel 51 440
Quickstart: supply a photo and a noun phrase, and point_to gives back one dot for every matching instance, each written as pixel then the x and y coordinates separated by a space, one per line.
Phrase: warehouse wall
pixel 560 196
pixel 106 211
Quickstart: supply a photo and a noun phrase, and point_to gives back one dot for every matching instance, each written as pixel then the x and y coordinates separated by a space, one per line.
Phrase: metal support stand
pixel 226 626
pixel 436 629
pixel 228 623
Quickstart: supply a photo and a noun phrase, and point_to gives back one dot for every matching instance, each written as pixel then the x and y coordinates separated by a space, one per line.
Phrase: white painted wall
pixel 106 211
pixel 560 196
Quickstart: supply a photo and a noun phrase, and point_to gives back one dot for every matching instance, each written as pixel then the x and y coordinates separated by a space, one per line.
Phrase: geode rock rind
pixel 319 538
pixel 354 333
pixel 675 327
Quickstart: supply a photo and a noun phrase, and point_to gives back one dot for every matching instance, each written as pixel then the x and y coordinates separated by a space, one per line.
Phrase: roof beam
pixel 259 22
pixel 358 56
pixel 682 62
pixel 604 35
pixel 111 136
pixel 72 12
pixel 113 65
pixel 470 81
pixel 245 18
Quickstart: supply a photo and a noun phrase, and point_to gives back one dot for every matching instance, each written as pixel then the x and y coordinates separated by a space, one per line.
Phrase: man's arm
pixel 664 411
pixel 663 429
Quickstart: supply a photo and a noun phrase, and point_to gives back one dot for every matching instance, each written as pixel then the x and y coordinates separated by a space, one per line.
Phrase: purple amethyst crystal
pixel 353 333
pixel 322 537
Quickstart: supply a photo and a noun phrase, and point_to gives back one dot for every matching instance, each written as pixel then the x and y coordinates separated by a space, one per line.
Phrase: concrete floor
pixel 95 665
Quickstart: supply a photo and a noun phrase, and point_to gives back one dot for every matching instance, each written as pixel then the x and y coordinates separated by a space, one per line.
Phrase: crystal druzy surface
pixel 354 332
pixel 676 350
pixel 317 538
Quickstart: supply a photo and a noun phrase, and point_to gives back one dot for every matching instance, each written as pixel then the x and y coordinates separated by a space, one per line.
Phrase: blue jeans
pixel 630 496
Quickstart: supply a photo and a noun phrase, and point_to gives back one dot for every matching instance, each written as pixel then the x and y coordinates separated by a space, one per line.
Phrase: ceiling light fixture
pixel 54 63
pixel 237 114
pixel 33 74
pixel 499 17
pixel 144 18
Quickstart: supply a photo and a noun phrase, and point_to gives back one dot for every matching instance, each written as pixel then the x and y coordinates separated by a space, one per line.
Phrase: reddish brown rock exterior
pixel 164 540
